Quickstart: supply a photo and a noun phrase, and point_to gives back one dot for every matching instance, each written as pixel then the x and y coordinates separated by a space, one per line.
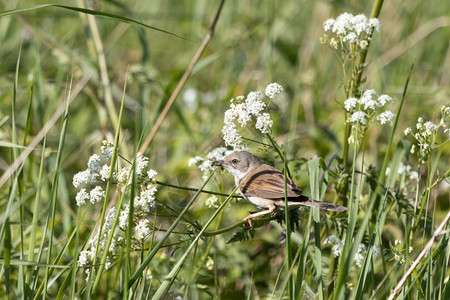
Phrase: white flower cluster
pixel 399 242
pixel 86 257
pixel 204 163
pixel 142 206
pixel 97 174
pixel 212 202
pixel 367 108
pixel 245 109
pixel 405 170
pixel 360 255
pixel 427 132
pixel 338 245
pixel 356 30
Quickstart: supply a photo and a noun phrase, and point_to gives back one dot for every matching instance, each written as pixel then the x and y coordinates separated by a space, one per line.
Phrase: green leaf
pixel 89 12
pixel 242 235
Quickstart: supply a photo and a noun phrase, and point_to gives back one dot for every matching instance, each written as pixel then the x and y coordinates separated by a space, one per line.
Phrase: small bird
pixel 263 185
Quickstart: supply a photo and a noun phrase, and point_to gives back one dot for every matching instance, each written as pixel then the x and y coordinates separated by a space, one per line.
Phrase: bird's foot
pixel 249 221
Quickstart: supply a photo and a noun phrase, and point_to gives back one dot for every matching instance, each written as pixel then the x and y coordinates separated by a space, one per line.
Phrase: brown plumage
pixel 264 186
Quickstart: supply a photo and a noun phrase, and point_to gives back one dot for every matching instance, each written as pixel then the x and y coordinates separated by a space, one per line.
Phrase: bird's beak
pixel 217 163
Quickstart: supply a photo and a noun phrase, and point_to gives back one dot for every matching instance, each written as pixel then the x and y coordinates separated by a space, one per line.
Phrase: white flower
pixel 370 94
pixel 430 128
pixel 338 245
pixel 104 172
pixel 107 263
pixel 263 123
pixel 218 153
pixel 348 28
pixel 143 229
pixel 342 24
pixel 253 107
pixel 376 250
pixel 123 217
pixel 359 259
pixel 151 174
pixel 94 163
pixel 397 242
pixel 350 103
pixel 403 168
pixel 97 194
pixel 328 24
pixel 351 37
pixel 360 255
pixel 231 136
pixel 109 219
pixel 204 164
pixel 273 89
pixel 212 202
pixel 146 200
pixel 82 197
pixel 84 258
pixel 123 174
pixel 243 110
pixel 360 23
pixel 254 97
pixel 141 163
pixel 386 117
pixel 85 176
pixel 408 131
pixel 375 23
pixel 368 101
pixel 413 175
pixel 195 160
pixel 107 150
pixel 240 114
pixel 383 99
pixel 358 116
pixel 337 249
pixel 190 98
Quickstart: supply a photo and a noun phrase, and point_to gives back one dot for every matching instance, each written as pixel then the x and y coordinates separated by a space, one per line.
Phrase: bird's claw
pixel 249 221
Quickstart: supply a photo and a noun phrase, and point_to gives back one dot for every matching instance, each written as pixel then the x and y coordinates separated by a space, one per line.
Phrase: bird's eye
pixel 234 161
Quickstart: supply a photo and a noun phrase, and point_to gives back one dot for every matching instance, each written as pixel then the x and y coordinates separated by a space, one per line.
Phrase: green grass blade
pixel 138 273
pixel 90 12
pixel 315 188
pixel 54 192
pixel 169 278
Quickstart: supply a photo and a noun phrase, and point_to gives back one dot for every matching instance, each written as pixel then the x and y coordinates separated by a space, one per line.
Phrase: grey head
pixel 239 163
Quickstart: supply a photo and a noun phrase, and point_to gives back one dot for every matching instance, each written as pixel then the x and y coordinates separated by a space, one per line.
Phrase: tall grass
pixel 156 78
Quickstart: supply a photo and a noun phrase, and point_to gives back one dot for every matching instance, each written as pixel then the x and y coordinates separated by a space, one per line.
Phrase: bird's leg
pixel 250 218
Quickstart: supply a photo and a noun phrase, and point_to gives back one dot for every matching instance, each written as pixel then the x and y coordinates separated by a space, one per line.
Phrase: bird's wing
pixel 268 183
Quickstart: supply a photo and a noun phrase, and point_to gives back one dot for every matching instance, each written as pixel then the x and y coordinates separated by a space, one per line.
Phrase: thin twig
pixel 194 189
pixel 419 258
pixel 183 80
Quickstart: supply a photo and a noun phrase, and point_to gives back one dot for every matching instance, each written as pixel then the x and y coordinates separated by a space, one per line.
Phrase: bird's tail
pixel 321 205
